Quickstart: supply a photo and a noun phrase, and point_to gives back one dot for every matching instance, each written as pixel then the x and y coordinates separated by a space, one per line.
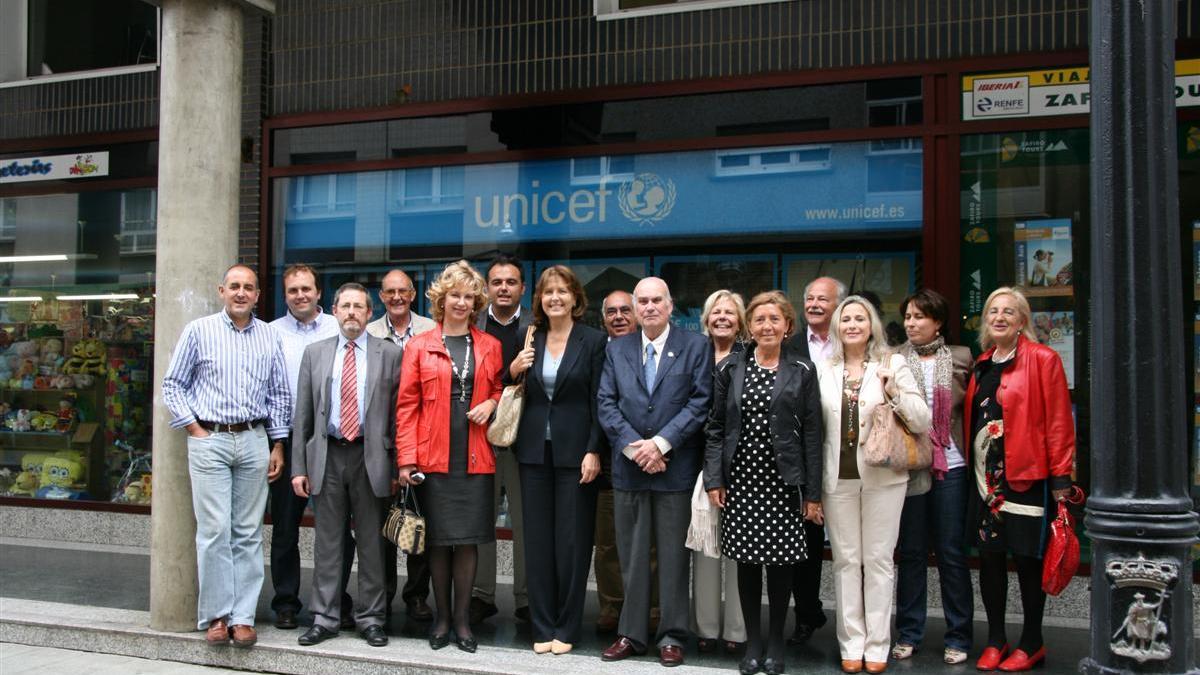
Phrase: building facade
pixel 719 144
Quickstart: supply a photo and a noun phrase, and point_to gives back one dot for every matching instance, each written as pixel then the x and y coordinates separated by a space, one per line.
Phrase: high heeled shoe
pixel 467 644
pixel 990 658
pixel 438 641
pixel 852 665
pixel 874 667
pixel 1019 661
pixel 558 647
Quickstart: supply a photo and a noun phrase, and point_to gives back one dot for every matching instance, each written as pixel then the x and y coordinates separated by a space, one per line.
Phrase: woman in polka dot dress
pixel 763 467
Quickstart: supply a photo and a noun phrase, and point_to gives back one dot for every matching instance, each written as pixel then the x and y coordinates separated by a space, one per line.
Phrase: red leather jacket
pixel 423 402
pixel 1039 431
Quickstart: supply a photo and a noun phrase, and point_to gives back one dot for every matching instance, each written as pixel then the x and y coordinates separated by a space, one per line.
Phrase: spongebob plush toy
pixel 31 472
pixel 61 479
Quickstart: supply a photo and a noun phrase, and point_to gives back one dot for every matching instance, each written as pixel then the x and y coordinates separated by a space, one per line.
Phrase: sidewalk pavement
pixel 25 660
pixel 77 598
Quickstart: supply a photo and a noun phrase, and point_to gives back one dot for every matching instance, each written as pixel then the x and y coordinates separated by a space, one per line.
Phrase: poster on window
pixel 1057 331
pixel 1043 256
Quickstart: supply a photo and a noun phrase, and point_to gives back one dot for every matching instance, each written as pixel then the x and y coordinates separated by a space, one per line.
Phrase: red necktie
pixel 349 409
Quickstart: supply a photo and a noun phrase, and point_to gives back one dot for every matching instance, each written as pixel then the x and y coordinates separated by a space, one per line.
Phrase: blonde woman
pixel 449 387
pixel 1021 448
pixel 723 321
pixel 862 503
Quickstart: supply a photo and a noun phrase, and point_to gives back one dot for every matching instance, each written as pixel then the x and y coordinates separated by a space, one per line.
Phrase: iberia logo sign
pixel 1001 96
pixel 647 198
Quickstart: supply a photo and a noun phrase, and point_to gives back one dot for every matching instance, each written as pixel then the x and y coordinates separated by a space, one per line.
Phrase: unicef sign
pixel 647 199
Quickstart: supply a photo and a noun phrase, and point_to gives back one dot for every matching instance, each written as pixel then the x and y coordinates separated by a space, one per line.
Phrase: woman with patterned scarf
pixel 935 504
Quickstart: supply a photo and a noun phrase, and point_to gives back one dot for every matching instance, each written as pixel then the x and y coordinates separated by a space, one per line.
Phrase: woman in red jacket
pixel 449 388
pixel 1018 417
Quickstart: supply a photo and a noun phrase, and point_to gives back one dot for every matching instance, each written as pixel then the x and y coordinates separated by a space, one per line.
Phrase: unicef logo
pixel 647 199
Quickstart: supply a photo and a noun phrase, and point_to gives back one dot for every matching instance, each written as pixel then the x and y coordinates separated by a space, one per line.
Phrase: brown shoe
pixel 670 655
pixel 243 635
pixel 218 632
pixel 852 665
pixel 875 667
pixel 623 648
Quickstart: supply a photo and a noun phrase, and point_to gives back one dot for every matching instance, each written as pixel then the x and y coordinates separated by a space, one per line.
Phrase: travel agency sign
pixel 1046 93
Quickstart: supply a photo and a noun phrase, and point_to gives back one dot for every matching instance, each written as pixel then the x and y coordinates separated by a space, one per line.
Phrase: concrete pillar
pixel 198 172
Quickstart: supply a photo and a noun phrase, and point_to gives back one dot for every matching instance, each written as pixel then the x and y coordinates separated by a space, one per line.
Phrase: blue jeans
pixel 229 493
pixel 935 518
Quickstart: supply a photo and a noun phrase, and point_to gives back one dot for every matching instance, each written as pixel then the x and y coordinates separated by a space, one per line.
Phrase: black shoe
pixel 438 641
pixel 522 614
pixel 374 636
pixel 418 610
pixel 468 644
pixel 316 635
pixel 479 610
pixel 773 666
pixel 749 666
pixel 285 619
pixel 803 633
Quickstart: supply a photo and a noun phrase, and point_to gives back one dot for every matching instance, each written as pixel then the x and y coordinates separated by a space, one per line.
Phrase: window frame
pixel 398 184
pixel 609 10
pixel 757 168
pixel 134 235
pixel 22 53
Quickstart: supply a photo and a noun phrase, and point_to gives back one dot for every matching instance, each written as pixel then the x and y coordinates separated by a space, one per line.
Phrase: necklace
pixel 850 390
pixel 759 360
pixel 996 358
pixel 466 367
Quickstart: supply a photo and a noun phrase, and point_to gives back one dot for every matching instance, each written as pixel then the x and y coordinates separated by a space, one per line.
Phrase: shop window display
pixel 76 340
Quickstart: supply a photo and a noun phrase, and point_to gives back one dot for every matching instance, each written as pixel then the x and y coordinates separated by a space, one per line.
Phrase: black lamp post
pixel 1139 515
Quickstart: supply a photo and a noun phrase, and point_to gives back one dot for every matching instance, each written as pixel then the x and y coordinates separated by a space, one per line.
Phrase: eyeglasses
pixel 397 292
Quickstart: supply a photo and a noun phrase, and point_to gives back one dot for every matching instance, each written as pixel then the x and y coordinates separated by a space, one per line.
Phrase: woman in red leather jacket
pixel 1017 417
pixel 449 388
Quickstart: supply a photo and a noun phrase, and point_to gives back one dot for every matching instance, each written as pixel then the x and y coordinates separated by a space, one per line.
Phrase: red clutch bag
pixel 1061 560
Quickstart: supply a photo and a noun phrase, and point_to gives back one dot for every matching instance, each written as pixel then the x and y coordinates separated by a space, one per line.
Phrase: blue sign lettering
pixel 34 167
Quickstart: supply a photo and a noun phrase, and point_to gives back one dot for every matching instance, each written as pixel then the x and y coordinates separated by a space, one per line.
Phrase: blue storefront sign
pixel 835 189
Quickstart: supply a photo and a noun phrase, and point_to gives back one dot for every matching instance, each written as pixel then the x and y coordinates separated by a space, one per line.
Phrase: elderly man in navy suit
pixel 653 400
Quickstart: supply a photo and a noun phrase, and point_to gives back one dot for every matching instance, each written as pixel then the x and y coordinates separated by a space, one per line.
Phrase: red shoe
pixel 990 658
pixel 1020 661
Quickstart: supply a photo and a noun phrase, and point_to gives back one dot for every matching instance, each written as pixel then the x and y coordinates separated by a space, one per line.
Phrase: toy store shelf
pixel 5 433
pixel 42 391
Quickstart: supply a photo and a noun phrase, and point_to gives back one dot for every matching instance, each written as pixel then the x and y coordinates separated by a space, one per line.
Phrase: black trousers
pixel 560 519
pixel 287 510
pixel 806 578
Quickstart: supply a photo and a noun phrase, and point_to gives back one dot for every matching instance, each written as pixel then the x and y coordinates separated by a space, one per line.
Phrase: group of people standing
pixel 744 443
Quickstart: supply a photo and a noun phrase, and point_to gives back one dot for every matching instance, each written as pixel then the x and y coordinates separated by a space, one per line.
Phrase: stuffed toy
pixel 42 421
pixel 6 481
pixel 83 380
pixel 22 421
pixel 75 364
pixel 52 358
pixel 60 479
pixel 62 382
pixel 31 473
pixel 66 416
pixel 95 357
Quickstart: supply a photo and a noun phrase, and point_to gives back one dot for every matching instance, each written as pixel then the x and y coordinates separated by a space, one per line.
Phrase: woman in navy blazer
pixel 557 446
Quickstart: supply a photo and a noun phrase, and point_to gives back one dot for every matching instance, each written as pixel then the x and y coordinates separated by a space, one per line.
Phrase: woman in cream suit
pixel 862 504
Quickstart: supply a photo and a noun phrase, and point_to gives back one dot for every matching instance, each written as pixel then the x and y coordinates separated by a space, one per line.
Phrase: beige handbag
pixel 891 445
pixel 405 527
pixel 502 432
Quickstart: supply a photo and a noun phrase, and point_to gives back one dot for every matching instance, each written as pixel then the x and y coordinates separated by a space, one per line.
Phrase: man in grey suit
pixel 653 401
pixel 343 454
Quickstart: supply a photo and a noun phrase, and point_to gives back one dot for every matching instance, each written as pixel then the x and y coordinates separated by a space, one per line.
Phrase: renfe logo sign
pixel 1001 96
pixel 1046 93
pixel 53 167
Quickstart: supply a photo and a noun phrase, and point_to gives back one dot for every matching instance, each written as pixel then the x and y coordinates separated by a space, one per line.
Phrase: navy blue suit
pixel 655 508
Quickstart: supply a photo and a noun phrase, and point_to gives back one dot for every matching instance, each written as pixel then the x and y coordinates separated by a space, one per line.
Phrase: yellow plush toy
pixel 31 473
pixel 78 359
pixel 60 478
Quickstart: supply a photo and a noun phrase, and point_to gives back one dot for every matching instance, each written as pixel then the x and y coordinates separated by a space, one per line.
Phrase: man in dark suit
pixel 653 400
pixel 343 455
pixel 506 321
pixel 821 296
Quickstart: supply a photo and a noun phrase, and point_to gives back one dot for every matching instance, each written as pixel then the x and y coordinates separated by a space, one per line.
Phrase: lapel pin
pixel 671 354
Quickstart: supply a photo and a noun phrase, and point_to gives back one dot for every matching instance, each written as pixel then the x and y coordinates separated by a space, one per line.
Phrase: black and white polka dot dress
pixel 762 523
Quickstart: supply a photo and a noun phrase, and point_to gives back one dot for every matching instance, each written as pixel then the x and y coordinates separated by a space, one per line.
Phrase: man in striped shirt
pixel 227 386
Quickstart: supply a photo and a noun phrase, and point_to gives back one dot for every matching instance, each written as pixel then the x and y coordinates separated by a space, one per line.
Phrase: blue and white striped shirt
pixel 297 336
pixel 223 374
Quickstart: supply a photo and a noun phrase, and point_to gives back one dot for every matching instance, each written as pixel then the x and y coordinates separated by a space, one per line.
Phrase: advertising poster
pixel 1043 256
pixel 1057 331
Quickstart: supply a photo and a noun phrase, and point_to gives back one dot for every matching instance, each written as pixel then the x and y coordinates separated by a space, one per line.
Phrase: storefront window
pixel 1026 223
pixel 748 219
pixel 76 340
